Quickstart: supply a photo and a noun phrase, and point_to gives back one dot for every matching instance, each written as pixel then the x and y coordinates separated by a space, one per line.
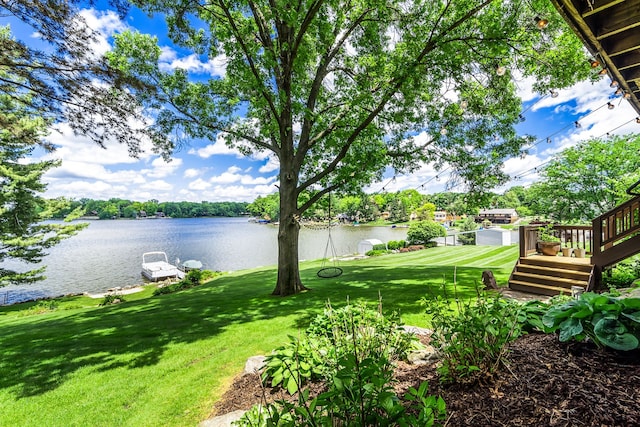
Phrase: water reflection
pixel 109 253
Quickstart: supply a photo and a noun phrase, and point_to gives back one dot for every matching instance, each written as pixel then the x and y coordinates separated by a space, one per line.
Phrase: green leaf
pixel 554 316
pixel 613 333
pixel 635 316
pixel 630 303
pixel 570 328
pixel 292 386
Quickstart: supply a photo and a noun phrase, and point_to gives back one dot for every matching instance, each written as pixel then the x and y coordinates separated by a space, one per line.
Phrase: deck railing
pixel 617 234
pixel 571 236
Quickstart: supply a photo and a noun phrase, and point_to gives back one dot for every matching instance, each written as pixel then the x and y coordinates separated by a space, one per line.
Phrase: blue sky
pixel 209 170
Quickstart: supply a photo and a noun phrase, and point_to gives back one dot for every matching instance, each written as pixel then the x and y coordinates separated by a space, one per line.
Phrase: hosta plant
pixel 606 320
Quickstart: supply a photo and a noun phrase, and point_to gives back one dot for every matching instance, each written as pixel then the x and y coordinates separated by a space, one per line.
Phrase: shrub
pixel 468 225
pixel 396 244
pixel 377 252
pixel 41 307
pixel 474 337
pixel 192 279
pixel 331 336
pixel 605 320
pixel 422 232
pixel 380 247
pixel 623 274
pixel 112 299
pixel 354 349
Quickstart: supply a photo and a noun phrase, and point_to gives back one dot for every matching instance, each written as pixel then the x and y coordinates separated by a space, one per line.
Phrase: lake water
pixel 109 253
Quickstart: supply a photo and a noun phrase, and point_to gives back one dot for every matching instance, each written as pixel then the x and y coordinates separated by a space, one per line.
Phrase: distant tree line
pixel 398 206
pixel 122 208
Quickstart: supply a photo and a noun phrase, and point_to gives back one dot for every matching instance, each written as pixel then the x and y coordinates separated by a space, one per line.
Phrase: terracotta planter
pixel 549 248
pixel 567 252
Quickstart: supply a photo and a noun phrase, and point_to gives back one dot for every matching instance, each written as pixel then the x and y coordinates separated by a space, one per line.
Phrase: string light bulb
pixel 443 131
pixel 464 104
pixel 541 23
pixel 602 72
pixel 638 120
pixel 626 95
pixel 619 91
pixel 554 93
pixel 577 124
pixel 521 117
pixel 614 83
pixel 500 70
pixel 594 63
pixel 610 106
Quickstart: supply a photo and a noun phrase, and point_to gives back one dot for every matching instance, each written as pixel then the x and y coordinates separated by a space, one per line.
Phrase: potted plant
pixel 548 243
pixel 567 250
pixel 579 252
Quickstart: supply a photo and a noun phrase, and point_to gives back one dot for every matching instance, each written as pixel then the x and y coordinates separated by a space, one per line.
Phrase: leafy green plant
pixel 547 234
pixel 623 275
pixel 112 299
pixel 192 279
pixel 472 338
pixel 41 307
pixel 607 321
pixel 356 365
pixel 396 244
pixel 421 232
pixel 377 252
pixel 295 363
pixel 332 335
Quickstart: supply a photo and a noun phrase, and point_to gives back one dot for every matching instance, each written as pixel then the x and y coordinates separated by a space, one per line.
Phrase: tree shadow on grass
pixel 41 352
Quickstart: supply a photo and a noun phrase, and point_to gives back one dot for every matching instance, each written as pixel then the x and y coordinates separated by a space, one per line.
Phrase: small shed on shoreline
pixel 367 245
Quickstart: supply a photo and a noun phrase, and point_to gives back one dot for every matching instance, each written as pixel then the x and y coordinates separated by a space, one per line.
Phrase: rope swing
pixel 329 271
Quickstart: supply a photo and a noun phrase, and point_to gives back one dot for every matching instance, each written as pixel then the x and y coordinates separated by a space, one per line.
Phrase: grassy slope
pixel 165 360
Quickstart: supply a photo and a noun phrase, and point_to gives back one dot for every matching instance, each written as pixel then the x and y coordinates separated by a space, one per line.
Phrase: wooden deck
pixel 550 275
pixel 562 259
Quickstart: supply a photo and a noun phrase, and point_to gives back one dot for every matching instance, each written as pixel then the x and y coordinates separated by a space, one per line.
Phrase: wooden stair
pixel 550 275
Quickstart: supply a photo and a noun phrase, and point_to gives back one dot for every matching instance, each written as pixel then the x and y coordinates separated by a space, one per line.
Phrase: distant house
pixel 498 216
pixel 142 214
pixel 440 216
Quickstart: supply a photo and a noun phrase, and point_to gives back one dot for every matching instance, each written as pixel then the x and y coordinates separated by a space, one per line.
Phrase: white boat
pixel 155 266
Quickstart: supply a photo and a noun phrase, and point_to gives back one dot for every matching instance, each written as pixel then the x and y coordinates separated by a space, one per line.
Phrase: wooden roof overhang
pixel 610 29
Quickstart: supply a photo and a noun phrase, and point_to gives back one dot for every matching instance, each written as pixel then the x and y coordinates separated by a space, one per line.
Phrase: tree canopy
pixel 338 91
pixel 23 236
pixel 67 80
pixel 584 181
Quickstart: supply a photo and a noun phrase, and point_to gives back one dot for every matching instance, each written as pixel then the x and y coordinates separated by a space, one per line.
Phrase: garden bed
pixel 548 383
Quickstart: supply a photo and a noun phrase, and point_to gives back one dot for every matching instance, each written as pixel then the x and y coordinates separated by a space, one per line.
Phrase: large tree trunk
pixel 289 282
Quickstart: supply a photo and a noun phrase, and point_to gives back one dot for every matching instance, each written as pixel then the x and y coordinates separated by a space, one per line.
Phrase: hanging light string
pixel 436 177
pixel 576 123
pixel 547 139
pixel 538 167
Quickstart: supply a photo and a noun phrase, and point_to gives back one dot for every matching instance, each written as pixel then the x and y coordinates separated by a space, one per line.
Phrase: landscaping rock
pixel 424 356
pixel 223 420
pixel 417 330
pixel 254 364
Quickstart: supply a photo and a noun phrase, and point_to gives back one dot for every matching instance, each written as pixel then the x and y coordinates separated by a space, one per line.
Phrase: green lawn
pixel 164 361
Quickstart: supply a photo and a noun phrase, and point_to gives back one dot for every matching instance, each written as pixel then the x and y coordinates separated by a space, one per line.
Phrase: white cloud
pixel 198 184
pixel 192 173
pixel 105 24
pixel 192 63
pixel 272 164
pixel 80 148
pixel 219 147
pixel 162 169
pixel 157 185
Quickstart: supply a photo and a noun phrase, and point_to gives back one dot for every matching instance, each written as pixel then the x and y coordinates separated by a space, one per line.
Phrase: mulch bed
pixel 548 383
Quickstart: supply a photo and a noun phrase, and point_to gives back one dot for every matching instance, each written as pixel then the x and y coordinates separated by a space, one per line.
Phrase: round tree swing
pixel 328 271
